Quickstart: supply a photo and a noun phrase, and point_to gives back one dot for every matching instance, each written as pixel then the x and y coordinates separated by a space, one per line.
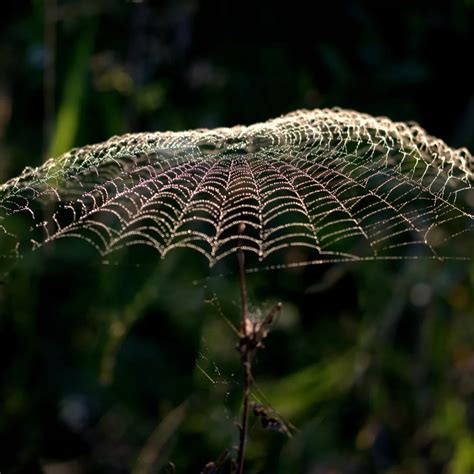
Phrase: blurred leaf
pixel 69 113
pixel 303 390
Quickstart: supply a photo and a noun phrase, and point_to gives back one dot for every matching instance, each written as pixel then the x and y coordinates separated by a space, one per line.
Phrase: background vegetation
pixel 111 369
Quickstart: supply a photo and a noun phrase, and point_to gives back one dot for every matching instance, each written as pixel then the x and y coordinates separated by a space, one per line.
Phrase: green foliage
pixel 69 114
pixel 102 366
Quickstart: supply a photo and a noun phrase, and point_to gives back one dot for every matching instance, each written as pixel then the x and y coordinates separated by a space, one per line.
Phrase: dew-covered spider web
pixel 310 186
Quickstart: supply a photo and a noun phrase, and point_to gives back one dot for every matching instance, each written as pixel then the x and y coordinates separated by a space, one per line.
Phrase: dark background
pixel 373 363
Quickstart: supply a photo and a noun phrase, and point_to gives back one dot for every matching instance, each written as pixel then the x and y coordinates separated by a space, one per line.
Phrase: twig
pixel 251 338
pixel 244 350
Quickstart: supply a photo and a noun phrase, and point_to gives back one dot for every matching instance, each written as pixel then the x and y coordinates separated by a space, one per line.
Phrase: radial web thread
pixel 338 183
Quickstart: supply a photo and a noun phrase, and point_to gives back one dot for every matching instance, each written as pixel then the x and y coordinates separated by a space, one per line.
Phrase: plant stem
pixel 246 363
pixel 245 352
pixel 243 292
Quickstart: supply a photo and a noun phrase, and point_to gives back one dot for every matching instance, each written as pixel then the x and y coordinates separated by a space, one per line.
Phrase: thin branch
pixel 243 286
pixel 251 338
pixel 244 350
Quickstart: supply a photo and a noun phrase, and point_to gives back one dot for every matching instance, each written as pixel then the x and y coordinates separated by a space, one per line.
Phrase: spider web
pixel 316 185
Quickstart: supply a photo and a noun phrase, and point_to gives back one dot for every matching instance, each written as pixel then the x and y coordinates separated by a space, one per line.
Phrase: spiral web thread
pixel 334 183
